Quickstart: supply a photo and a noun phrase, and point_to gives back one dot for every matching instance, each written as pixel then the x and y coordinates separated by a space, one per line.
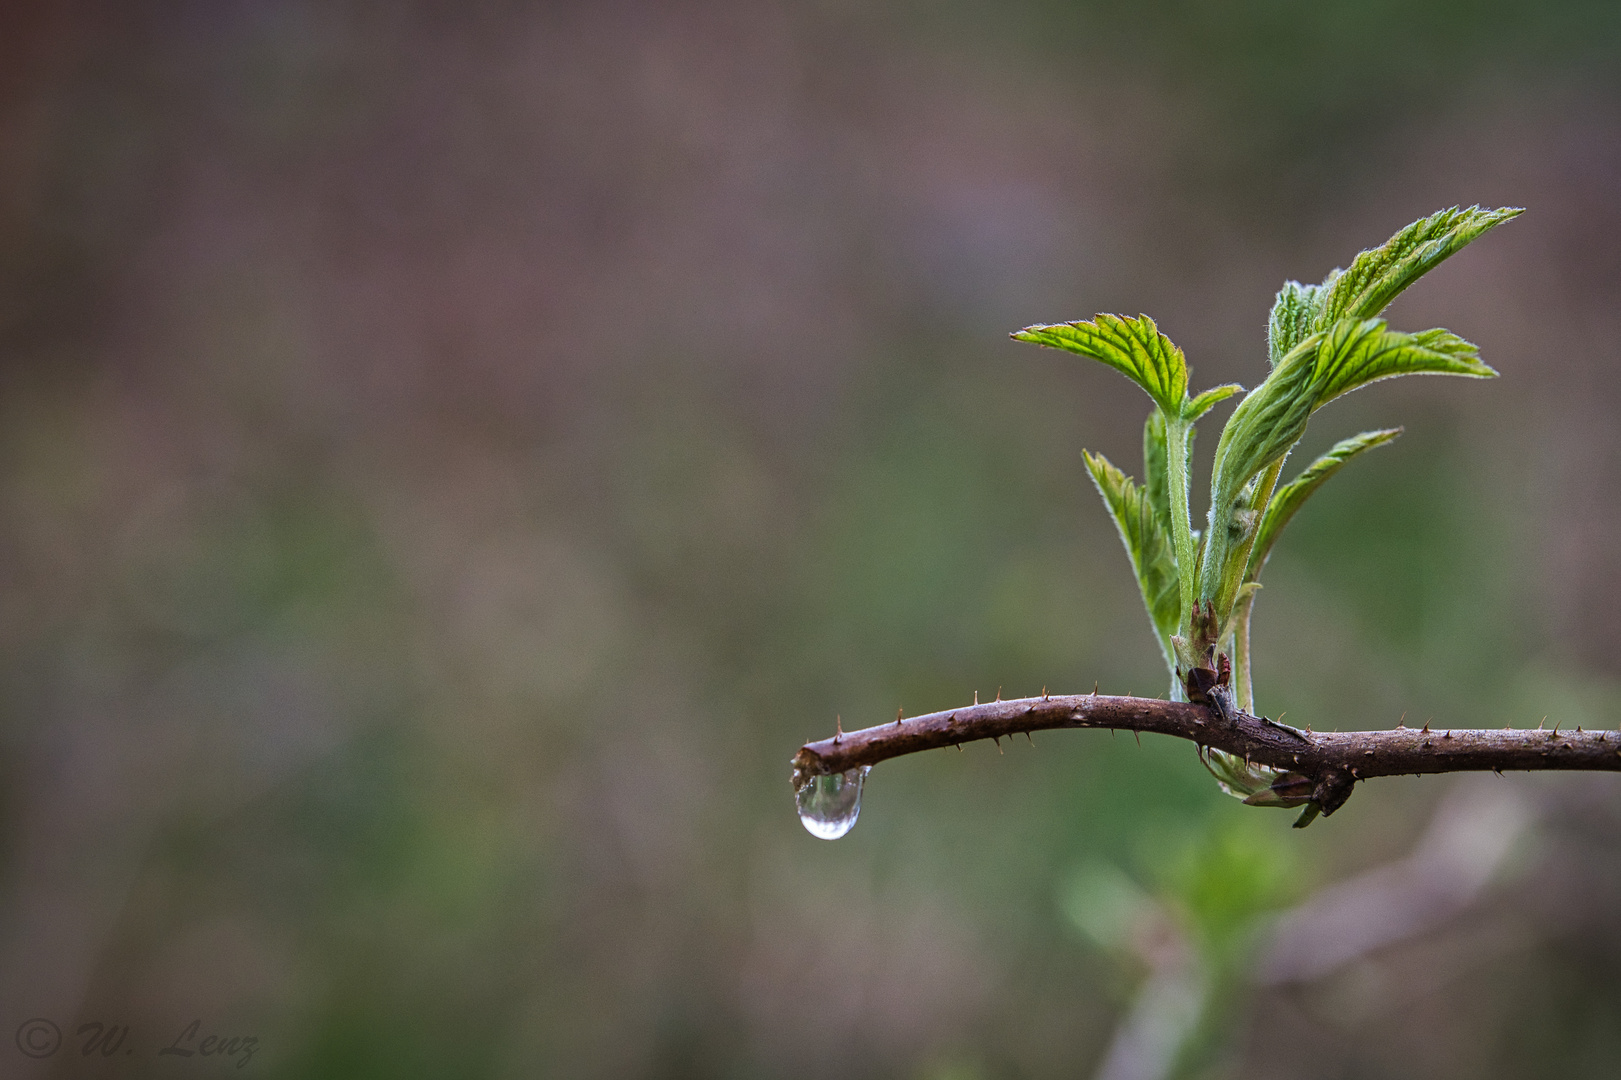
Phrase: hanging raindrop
pixel 830 804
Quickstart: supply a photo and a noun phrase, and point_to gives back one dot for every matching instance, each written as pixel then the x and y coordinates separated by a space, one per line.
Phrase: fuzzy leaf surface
pixel 1203 403
pixel 1293 314
pixel 1376 277
pixel 1266 424
pixel 1147 543
pixel 1133 346
pixel 1354 354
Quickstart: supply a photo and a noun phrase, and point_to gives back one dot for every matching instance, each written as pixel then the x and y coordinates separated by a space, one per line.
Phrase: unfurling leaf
pixel 1352 353
pixel 1376 277
pixel 1147 543
pixel 1291 496
pixel 1132 346
pixel 1237 777
pixel 1293 313
pixel 1269 421
pixel 1356 353
pixel 1203 403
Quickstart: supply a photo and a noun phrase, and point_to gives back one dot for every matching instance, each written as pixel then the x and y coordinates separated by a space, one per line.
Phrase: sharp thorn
pixel 998 692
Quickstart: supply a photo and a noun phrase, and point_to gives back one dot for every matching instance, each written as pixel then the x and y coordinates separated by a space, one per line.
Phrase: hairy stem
pixel 1334 761
pixel 1243 688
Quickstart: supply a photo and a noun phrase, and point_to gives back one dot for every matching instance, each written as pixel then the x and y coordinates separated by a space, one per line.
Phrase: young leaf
pixel 1237 777
pixel 1291 322
pixel 1147 543
pixel 1132 346
pixel 1291 496
pixel 1203 403
pixel 1376 277
pixel 1354 354
pixel 1265 425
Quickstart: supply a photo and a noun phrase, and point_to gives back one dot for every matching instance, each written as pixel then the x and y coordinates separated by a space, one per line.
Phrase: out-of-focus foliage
pixel 450 459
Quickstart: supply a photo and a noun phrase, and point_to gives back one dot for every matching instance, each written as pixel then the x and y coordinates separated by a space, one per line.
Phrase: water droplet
pixel 829 805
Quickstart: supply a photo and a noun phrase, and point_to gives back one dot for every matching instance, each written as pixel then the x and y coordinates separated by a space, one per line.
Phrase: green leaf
pixel 1132 346
pixel 1293 495
pixel 1202 404
pixel 1293 313
pixel 1265 425
pixel 1147 543
pixel 1376 277
pixel 1355 353
pixel 1237 777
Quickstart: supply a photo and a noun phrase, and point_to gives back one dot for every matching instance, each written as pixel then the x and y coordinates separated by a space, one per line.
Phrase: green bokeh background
pixel 452 455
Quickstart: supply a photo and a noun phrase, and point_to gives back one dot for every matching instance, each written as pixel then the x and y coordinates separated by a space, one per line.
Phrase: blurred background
pixel 451 456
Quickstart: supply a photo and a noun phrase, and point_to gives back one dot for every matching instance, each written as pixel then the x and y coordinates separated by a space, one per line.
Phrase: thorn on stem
pixel 1403 721
pixel 1027 736
pixel 976 697
pixel 999 692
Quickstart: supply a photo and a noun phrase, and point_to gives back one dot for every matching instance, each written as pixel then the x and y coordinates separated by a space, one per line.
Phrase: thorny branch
pixel 1321 767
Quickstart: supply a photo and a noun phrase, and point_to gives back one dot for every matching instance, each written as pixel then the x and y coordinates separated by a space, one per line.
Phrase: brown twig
pixel 1334 761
